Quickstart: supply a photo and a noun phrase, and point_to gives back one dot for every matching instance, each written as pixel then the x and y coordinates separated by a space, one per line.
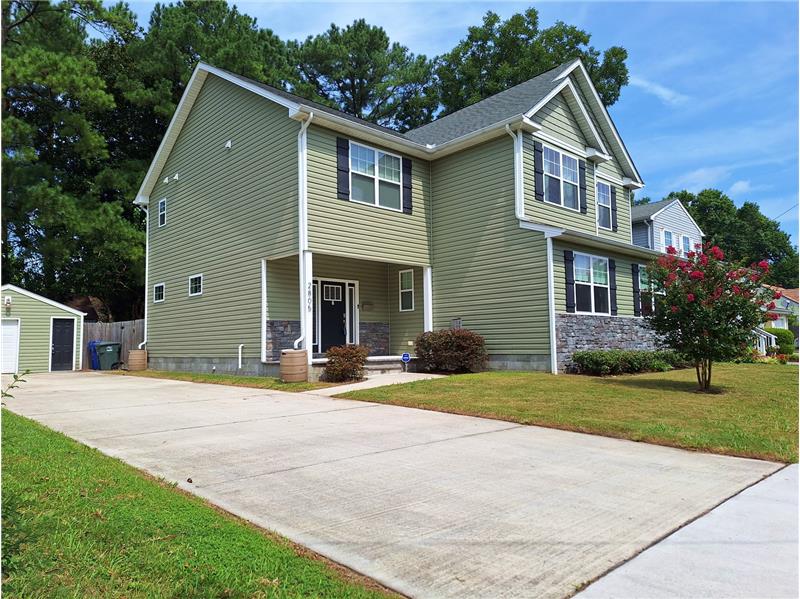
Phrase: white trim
pixel 672 235
pixel 19 330
pixel 591 283
pixel 74 339
pixel 602 109
pixel 146 271
pixel 607 177
pixel 401 291
pixel 163 294
pixel 427 298
pixel 263 310
pixel 32 295
pixel 652 216
pixel 683 250
pixel 201 285
pixel 519 179
pixel 561 179
pixel 559 144
pixel 375 177
pixel 551 309
pixel 162 201
pixel 548 230
pixel 317 281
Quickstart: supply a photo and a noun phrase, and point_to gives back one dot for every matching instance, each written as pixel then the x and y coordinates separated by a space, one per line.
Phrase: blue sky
pixel 713 96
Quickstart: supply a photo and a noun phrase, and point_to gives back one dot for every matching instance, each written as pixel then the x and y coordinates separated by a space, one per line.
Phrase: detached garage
pixel 39 334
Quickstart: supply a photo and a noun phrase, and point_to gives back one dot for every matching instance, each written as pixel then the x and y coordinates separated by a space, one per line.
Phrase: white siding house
pixel 660 224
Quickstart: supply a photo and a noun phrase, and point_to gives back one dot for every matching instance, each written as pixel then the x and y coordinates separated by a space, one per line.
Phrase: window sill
pixel 575 210
pixel 357 203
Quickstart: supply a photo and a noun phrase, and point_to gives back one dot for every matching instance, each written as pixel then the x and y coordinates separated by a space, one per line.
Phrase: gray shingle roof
pixel 506 104
pixel 645 211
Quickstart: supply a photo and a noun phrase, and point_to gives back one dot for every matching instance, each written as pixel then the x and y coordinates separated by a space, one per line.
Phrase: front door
pixel 63 348
pixel 333 314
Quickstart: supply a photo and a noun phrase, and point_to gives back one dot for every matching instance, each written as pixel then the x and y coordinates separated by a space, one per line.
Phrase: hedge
pixel 785 340
pixel 623 361
pixel 451 350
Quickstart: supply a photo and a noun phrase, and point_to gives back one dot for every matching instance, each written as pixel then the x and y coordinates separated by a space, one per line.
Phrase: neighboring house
pixel 39 334
pixel 786 306
pixel 275 222
pixel 658 225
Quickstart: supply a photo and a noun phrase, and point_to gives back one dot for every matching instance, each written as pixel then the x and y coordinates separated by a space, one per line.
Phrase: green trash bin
pixel 108 354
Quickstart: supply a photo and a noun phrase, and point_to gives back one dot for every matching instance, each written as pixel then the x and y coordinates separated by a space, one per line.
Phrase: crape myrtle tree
pixel 709 307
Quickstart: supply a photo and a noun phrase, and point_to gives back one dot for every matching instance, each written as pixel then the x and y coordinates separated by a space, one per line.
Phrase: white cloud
pixel 700 178
pixel 740 188
pixel 663 93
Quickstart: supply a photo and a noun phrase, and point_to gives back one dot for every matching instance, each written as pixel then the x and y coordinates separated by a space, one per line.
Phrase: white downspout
pixel 519 182
pixel 551 303
pixel 241 345
pixel 304 258
pixel 146 269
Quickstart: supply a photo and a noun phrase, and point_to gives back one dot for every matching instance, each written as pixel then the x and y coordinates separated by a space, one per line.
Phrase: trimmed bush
pixel 623 361
pixel 345 363
pixel 451 350
pixel 785 340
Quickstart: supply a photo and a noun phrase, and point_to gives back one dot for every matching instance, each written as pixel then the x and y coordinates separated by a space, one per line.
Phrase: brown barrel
pixel 294 365
pixel 137 359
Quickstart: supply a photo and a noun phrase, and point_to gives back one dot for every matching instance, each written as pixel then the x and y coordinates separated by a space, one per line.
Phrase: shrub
pixel 622 361
pixel 451 350
pixel 785 340
pixel 782 358
pixel 345 363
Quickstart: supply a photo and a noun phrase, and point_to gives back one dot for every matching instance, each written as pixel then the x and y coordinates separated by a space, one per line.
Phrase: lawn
pixel 753 412
pixel 77 523
pixel 256 382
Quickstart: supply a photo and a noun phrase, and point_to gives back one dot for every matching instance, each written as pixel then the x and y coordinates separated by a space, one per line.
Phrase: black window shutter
pixel 538 171
pixel 569 274
pixel 637 292
pixel 342 168
pixel 407 185
pixel 612 284
pixel 582 181
pixel 613 208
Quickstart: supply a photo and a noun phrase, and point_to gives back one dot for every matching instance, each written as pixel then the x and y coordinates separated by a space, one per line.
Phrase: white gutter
pixel 303 257
pixel 146 269
pixel 519 181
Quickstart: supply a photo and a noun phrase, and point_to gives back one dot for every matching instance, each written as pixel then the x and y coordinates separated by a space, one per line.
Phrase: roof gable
pixel 651 210
pixel 40 298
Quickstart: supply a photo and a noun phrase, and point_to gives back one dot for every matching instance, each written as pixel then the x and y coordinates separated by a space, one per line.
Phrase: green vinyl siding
pixel 358 230
pixel 283 289
pixel 34 333
pixel 228 209
pixel 486 269
pixel 405 326
pixel 371 277
pixel 623 269
pixel 557 120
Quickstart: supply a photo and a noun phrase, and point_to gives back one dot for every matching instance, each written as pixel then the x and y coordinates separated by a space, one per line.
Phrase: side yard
pixel 754 412
pixel 80 524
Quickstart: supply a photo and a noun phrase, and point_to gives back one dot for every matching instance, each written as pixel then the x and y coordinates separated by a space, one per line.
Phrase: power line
pixel 784 212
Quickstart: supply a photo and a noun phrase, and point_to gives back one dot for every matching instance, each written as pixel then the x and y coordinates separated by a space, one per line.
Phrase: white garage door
pixel 10 342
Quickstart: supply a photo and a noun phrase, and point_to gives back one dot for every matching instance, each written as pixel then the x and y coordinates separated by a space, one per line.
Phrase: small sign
pixel 406 358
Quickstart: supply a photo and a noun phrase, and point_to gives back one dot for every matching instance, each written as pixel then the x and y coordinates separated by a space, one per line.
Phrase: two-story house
pixel 659 225
pixel 275 222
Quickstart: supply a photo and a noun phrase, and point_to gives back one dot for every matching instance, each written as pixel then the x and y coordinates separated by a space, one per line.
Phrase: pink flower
pixel 771 306
pixel 772 316
pixel 764 265
pixel 697 275
pixel 778 295
pixel 690 255
pixel 673 309
pixel 717 253
pixel 698 246
pixel 703 259
pixel 671 250
pixel 690 297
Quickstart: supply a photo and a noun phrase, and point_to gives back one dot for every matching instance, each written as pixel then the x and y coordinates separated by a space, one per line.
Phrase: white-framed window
pixel 670 239
pixel 686 245
pixel 196 285
pixel 375 177
pixel 332 293
pixel 603 205
pixel 592 291
pixel 648 294
pixel 560 179
pixel 406 290
pixel 162 212
pixel 159 292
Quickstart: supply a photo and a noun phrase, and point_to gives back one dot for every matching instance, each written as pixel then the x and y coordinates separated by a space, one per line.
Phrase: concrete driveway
pixel 432 505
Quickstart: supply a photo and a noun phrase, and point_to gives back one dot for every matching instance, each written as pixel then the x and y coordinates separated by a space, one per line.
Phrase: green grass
pixel 256 382
pixel 77 523
pixel 753 412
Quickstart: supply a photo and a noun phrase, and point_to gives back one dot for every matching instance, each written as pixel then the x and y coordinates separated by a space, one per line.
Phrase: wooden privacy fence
pixel 128 333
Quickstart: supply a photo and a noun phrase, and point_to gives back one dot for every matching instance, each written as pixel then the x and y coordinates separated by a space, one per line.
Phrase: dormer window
pixel 560 179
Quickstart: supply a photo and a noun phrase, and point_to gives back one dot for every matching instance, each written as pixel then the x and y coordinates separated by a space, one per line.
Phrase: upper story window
pixel 375 177
pixel 669 240
pixel 603 205
pixel 196 285
pixel 592 291
pixel 162 212
pixel 686 245
pixel 406 290
pixel 159 292
pixel 560 179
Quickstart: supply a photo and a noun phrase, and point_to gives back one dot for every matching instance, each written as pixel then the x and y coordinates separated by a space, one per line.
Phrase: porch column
pixel 307 302
pixel 427 293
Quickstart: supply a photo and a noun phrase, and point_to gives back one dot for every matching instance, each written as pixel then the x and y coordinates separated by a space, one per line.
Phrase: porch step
pixel 375 365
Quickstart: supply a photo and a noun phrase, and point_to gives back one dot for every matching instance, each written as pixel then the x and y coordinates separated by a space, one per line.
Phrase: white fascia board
pixel 548 230
pixel 567 85
pixel 578 66
pixel 36 296
pixel 596 155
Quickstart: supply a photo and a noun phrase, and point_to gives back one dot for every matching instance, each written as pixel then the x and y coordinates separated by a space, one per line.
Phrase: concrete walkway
pixel 747 547
pixel 378 380
pixel 430 504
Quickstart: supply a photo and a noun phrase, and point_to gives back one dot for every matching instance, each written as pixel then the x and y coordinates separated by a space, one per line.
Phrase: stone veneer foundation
pixel 575 332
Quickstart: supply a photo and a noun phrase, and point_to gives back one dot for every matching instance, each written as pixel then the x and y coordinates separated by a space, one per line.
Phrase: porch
pixel 380 305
